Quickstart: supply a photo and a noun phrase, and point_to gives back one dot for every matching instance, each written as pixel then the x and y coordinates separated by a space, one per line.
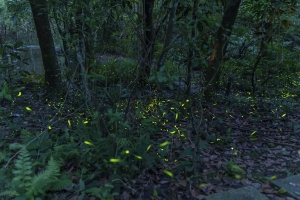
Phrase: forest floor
pixel 247 143
pixel 243 143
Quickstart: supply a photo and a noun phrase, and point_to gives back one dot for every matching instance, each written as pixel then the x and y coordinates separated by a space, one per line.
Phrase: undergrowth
pixel 26 184
pixel 83 151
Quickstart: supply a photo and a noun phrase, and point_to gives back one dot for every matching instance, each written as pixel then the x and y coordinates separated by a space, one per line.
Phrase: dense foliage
pixel 130 116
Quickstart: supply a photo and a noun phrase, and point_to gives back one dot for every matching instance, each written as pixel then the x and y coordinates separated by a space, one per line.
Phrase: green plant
pixel 5 93
pixel 114 71
pixel 105 192
pixel 165 76
pixel 234 170
pixel 26 185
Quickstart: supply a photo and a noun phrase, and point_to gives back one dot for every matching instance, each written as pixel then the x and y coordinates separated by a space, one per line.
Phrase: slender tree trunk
pixel 63 30
pixel 42 25
pixel 265 40
pixel 213 71
pixel 88 39
pixel 147 43
pixel 191 50
pixel 168 35
pixel 83 49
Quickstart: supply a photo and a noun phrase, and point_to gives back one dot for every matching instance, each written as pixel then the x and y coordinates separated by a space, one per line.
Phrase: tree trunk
pixel 147 43
pixel 213 71
pixel 168 36
pixel 52 69
pixel 88 39
pixel 191 50
pixel 62 32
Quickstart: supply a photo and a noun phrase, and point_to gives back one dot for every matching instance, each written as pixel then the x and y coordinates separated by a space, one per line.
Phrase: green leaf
pixel 202 144
pixel 15 146
pixel 81 184
pixel 282 191
pixel 187 152
pixel 7 97
pixel 155 193
pixel 18 44
pixel 21 198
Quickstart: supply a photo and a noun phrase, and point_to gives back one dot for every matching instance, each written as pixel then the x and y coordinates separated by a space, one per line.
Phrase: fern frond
pixel 53 169
pixel 38 184
pixel 42 181
pixel 60 184
pixel 10 193
pixel 23 169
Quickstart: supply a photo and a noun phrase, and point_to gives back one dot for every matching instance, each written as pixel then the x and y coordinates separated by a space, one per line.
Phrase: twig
pixel 21 149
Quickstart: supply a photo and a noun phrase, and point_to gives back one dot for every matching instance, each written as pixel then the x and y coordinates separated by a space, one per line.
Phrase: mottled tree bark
pixel 52 69
pixel 213 71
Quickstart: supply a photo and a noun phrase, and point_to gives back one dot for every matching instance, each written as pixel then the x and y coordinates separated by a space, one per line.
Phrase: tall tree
pixel 168 35
pixel 191 49
pixel 42 25
pixel 147 42
pixel 213 71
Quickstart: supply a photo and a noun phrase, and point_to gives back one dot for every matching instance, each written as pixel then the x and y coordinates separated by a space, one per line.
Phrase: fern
pixel 123 142
pixel 30 186
pixel 23 171
pixel 60 184
pixel 52 169
pixel 40 183
pixel 10 193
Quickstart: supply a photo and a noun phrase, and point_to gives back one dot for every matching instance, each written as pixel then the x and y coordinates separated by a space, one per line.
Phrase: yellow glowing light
pixel 138 157
pixel 148 147
pixel 164 144
pixel 253 133
pixel 237 176
pixel 114 160
pixel 168 173
pixel 88 143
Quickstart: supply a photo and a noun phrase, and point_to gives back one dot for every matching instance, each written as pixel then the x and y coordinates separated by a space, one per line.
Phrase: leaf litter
pixel 240 146
pixel 254 148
